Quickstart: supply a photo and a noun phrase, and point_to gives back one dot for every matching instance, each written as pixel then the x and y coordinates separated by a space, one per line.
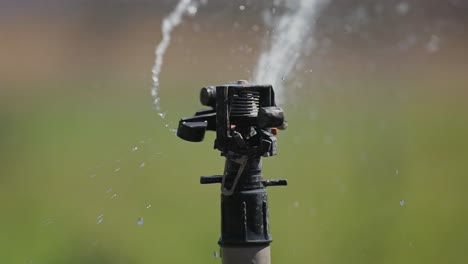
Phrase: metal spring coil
pixel 245 104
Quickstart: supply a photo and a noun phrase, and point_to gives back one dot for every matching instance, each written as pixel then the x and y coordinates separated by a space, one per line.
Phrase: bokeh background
pixel 376 152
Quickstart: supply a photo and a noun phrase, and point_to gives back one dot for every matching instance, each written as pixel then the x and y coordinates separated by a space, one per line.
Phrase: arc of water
pixel 184 7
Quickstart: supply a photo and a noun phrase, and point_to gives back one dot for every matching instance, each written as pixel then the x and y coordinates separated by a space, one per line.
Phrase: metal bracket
pixel 243 162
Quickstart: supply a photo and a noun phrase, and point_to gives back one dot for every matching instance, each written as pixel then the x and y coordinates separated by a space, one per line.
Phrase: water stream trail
pixel 184 7
pixel 292 33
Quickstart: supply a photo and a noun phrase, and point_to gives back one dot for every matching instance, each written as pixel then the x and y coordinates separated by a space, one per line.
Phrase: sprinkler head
pixel 238 112
pixel 246 119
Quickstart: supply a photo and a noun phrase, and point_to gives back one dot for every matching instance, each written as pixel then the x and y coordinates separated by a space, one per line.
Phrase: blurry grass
pixel 350 155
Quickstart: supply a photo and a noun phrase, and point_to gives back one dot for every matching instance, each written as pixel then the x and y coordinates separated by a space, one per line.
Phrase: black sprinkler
pixel 246 119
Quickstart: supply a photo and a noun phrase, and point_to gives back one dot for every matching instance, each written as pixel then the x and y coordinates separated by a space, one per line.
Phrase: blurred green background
pixel 376 152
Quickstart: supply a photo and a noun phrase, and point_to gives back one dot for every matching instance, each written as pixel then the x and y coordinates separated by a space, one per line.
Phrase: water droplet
pixel 328 140
pixel 397 172
pixel 162 115
pixel 348 29
pixel 109 190
pixel 402 203
pixel 296 204
pixel 402 8
pixel 99 219
pixel 148 206
pixel 433 44
pixel 47 221
pixel 196 27
pixel 216 254
pixel 113 196
pixel 241 7
pixel 140 221
pixel 134 149
pixel 363 156
pixel 117 170
pixel 313 212
pixel 142 165
pixel 92 176
pixel 192 10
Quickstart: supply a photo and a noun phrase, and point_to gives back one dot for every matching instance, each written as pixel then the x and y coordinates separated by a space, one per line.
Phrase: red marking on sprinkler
pixel 274 131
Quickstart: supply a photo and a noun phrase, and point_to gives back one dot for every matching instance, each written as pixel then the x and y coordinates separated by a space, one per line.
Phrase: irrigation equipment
pixel 246 119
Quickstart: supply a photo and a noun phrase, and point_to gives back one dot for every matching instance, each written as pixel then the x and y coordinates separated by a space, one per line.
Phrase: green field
pixel 376 152
pixel 377 174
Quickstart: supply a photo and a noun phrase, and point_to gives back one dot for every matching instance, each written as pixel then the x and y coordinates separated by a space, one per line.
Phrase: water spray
pixel 291 35
pixel 246 119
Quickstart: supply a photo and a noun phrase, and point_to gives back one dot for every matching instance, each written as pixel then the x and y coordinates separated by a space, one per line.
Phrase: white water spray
pixel 291 34
pixel 184 7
